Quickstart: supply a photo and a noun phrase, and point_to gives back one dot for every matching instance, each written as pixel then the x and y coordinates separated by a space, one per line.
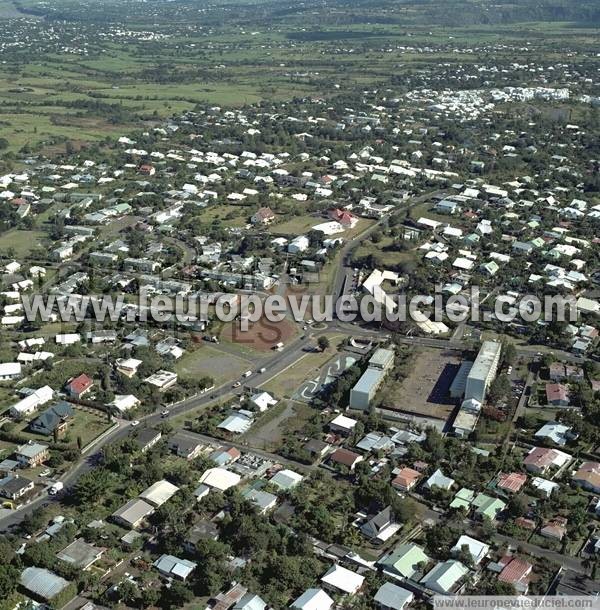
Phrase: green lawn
pixel 20 243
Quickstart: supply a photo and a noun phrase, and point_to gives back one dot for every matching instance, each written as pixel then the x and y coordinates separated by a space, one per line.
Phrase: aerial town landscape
pixel 440 157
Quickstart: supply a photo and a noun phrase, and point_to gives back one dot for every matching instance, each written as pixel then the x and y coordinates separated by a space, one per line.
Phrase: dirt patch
pixel 261 336
pixel 425 392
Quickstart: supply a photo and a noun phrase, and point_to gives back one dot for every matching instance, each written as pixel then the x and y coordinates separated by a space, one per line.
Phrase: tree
pixel 149 597
pixel 509 354
pixel 128 592
pixel 9 578
pixel 323 343
pixel 92 486
pixel 517 506
pixel 176 596
pixel 499 389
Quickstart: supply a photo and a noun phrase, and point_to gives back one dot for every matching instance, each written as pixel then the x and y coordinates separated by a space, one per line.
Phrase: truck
pixel 247 373
pixel 278 347
pixel 58 486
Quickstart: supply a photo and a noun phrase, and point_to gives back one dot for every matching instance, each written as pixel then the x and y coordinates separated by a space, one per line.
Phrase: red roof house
pixel 557 394
pixel 511 482
pixel 346 458
pixel 515 572
pixel 78 386
pixel 406 479
pixel 343 217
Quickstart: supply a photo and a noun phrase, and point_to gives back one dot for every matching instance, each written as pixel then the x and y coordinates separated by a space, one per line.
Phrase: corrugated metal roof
pixel 43 583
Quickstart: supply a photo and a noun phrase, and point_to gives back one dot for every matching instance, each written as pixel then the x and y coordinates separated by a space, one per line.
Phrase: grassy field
pixel 210 361
pixel 20 243
pixel 382 250
pixel 54 92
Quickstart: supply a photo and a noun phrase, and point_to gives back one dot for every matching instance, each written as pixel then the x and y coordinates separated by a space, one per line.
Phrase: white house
pixel 10 370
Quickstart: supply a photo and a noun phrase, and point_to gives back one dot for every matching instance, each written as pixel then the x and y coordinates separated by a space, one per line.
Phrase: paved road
pixel 343 277
pixel 274 365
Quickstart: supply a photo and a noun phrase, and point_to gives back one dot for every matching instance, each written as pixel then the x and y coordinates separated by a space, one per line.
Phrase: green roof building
pixel 404 560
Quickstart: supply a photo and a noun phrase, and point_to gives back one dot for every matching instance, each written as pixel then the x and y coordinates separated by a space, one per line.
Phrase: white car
pixel 135 423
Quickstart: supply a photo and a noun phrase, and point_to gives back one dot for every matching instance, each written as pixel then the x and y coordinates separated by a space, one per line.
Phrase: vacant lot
pixel 19 244
pixel 425 391
pixel 261 336
pixel 209 361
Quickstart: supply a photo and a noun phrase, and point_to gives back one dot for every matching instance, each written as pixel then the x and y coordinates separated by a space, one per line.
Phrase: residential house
pixel 487 507
pixel 445 577
pixel 392 597
pixel 28 404
pixel 313 599
pixel 146 438
pixel 185 446
pixel 42 584
pixel 342 580
pixel 14 487
pixel 511 482
pixel 516 572
pixel 79 386
pixel 32 454
pixel 173 567
pixel 345 457
pixel 250 601
pixel 555 528
pixel 557 433
pixel 133 513
pixel 406 479
pixel 440 480
pixel 80 554
pixel 557 394
pixel 405 560
pixel 10 371
pixel 588 476
pixel 54 420
pixel 263 500
pixel 540 459
pixel 478 550
pixel 381 526
pixel 316 448
pixel 342 425
pixel 202 530
pixel 262 216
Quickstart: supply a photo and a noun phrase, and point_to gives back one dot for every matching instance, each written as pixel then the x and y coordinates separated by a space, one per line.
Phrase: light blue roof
pixel 368 379
pixel 250 602
pixel 43 583
pixel 392 596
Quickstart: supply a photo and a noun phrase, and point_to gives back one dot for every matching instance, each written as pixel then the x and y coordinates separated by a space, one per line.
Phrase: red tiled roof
pixel 541 457
pixel 515 570
pixel 556 391
pixel 343 217
pixel 512 481
pixel 406 478
pixel 345 457
pixel 527 524
pixel 80 384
